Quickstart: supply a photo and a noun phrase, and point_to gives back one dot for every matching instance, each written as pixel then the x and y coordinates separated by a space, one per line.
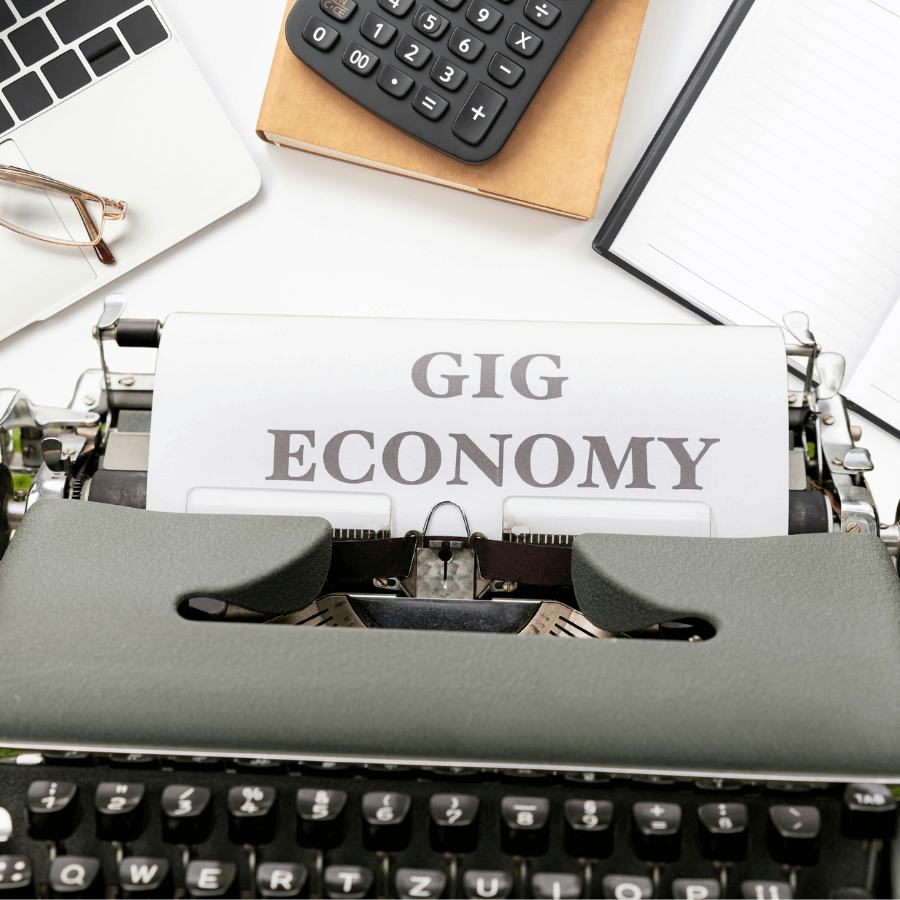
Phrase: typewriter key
pixel 281 880
pixel 454 822
pixel 657 831
pixel 143 876
pixel 320 817
pixel 251 814
pixel 51 809
pixel 589 830
pixel 525 825
pixel 210 878
pixel 348 882
pixel 870 811
pixel 794 834
pixel 120 811
pixel 387 820
pixel 76 876
pixel 187 813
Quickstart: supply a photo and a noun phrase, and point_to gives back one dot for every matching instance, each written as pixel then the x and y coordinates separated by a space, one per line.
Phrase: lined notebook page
pixel 782 189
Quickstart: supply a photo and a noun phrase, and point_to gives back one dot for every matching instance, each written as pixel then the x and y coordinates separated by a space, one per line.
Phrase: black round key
pixel 51 809
pixel 348 882
pixel 555 886
pixel 477 883
pixel 794 834
pixel 695 888
pixel 633 887
pixel 76 876
pixel 187 813
pixel 454 822
pixel 281 880
pixel 657 831
pixel 420 883
pixel 723 830
pixel 525 825
pixel 16 877
pixel 428 22
pixel 120 811
pixel 251 814
pixel 386 820
pixel 211 878
pixel 589 830
pixel 870 812
pixel 320 817
pixel 144 876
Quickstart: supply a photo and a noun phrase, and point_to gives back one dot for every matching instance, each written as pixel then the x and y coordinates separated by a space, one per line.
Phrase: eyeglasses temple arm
pixel 104 254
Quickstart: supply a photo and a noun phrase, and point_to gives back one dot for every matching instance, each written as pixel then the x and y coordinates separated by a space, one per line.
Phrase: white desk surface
pixel 327 238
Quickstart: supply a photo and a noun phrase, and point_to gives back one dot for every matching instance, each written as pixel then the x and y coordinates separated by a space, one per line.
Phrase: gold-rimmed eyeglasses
pixel 26 208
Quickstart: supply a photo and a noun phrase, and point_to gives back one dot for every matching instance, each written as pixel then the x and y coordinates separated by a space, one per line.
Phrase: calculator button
pixel 348 881
pixel 447 74
pixel 429 23
pixel 429 104
pixel 635 887
pixel 398 8
pixel 483 16
pixel 504 70
pixel 339 9
pixel 319 34
pixel 420 883
pixel 523 42
pixel 464 45
pixel 498 885
pixel 358 59
pixel 690 888
pixel 394 82
pixel 412 53
pixel 479 112
pixel 541 12
pixel 377 30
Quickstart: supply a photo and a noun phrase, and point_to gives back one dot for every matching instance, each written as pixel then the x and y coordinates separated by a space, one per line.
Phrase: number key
pixel 589 828
pixel 483 16
pixel 186 813
pixel 397 8
pixel 377 30
pixel 415 55
pixel 358 59
pixel 505 71
pixel 446 74
pixel 51 809
pixel 319 34
pixel 429 23
pixel 464 45
pixel 541 12
pixel 525 825
pixel 454 822
pixel 119 810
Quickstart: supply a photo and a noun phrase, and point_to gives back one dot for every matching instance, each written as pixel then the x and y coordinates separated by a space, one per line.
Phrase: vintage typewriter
pixel 726 724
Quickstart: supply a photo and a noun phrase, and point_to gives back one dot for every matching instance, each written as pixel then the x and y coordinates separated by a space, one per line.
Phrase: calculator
pixel 456 74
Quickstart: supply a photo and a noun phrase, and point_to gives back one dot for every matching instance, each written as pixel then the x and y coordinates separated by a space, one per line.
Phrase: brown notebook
pixel 555 159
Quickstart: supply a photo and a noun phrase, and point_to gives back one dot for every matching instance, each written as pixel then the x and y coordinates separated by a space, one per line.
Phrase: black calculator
pixel 456 74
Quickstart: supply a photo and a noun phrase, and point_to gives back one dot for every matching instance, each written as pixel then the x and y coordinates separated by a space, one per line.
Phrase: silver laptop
pixel 101 94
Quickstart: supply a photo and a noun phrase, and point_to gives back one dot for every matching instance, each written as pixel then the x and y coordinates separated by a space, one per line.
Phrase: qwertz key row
pixel 73 825
pixel 456 74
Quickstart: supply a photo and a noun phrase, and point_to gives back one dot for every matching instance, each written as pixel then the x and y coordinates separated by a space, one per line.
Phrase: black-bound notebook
pixel 774 185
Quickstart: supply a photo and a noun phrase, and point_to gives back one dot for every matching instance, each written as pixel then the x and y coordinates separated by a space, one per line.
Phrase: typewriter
pixel 726 722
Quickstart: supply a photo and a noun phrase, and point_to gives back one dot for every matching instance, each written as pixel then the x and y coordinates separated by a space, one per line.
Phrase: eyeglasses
pixel 27 208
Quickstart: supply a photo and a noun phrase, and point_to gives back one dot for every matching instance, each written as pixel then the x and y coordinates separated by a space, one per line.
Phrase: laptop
pixel 101 94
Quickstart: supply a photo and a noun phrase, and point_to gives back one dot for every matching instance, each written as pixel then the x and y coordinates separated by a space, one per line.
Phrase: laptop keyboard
pixel 52 49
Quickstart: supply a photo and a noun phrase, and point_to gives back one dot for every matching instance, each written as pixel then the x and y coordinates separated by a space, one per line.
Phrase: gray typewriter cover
pixel 802 678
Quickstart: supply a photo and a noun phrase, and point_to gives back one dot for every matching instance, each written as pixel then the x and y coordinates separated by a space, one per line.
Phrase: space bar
pixel 75 18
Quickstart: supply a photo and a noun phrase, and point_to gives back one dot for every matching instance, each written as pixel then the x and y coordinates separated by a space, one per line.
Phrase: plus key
pixel 478 114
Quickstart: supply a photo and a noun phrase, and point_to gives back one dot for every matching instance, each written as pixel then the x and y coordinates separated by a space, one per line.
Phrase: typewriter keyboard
pixel 52 49
pixel 456 74
pixel 72 825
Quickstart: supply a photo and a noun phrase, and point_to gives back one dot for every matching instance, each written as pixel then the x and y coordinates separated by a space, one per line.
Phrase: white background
pixel 328 238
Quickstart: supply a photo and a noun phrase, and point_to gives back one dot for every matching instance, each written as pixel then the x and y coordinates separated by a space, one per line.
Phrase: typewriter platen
pixel 759 676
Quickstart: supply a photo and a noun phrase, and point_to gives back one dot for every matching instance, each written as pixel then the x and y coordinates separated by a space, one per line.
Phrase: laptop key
pixel 8 65
pixel 66 74
pixel 28 8
pixel 6 16
pixel 104 52
pixel 75 18
pixel 33 41
pixel 143 30
pixel 27 96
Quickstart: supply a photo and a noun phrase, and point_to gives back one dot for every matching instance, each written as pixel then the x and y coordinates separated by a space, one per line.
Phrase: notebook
pixel 774 185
